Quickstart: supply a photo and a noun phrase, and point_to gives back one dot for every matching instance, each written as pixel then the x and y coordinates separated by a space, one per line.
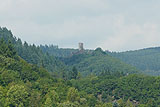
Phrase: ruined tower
pixel 81 47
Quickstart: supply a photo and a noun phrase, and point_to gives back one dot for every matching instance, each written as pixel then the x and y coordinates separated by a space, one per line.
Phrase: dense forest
pixel 147 60
pixel 30 77
pixel 58 52
pixel 31 53
pixel 97 62
pixel 61 52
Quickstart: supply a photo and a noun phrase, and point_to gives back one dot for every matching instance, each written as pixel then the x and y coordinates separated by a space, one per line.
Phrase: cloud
pixel 132 36
pixel 114 25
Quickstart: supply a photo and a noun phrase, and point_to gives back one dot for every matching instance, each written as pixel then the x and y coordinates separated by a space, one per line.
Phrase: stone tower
pixel 81 47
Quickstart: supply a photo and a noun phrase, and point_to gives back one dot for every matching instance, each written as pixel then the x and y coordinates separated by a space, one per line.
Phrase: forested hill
pixel 31 53
pixel 96 62
pixel 30 85
pixel 60 52
pixel 26 85
pixel 145 59
pixel 89 62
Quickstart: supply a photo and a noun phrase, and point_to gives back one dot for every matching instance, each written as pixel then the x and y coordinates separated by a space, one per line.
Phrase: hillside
pixel 90 62
pixel 23 84
pixel 147 60
pixel 57 52
pixel 19 80
pixel 97 62
pixel 60 52
pixel 26 85
pixel 32 53
pixel 124 91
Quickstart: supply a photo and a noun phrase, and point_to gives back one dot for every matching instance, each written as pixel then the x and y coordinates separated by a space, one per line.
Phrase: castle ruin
pixel 81 47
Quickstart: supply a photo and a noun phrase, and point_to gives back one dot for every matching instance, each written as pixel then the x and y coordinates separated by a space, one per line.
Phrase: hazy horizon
pixel 115 25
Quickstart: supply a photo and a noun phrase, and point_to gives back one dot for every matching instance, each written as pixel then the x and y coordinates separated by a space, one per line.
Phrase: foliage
pixel 72 95
pixel 108 82
pixel 58 52
pixel 17 95
pixel 125 90
pixel 97 62
pixel 146 60
pixel 30 53
pixel 26 85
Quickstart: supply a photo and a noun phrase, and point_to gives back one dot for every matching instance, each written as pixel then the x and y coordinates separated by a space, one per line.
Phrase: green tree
pixel 121 103
pixel 11 52
pixel 2 97
pixel 115 104
pixel 52 99
pixel 108 104
pixel 17 96
pixel 73 95
pixel 68 104
pixel 91 100
pixel 142 105
pixel 129 103
pixel 74 73
pixel 48 103
pixel 35 99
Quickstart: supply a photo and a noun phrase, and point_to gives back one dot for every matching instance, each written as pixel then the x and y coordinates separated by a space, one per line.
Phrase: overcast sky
pixel 116 25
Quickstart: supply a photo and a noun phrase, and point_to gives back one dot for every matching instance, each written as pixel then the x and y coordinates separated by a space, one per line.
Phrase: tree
pixel 52 99
pixel 115 104
pixel 121 103
pixel 74 73
pixel 3 47
pixel 2 97
pixel 34 99
pixel 7 49
pixel 73 95
pixel 129 103
pixel 91 100
pixel 17 96
pixel 11 52
pixel 48 102
pixel 108 104
pixel 142 105
pixel 68 104
pixel 9 76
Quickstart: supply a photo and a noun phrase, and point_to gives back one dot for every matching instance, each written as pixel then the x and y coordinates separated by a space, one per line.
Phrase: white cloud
pixel 132 36
pixel 113 25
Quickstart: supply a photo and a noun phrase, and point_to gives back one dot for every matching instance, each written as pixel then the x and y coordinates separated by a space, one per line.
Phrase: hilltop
pixel 31 77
